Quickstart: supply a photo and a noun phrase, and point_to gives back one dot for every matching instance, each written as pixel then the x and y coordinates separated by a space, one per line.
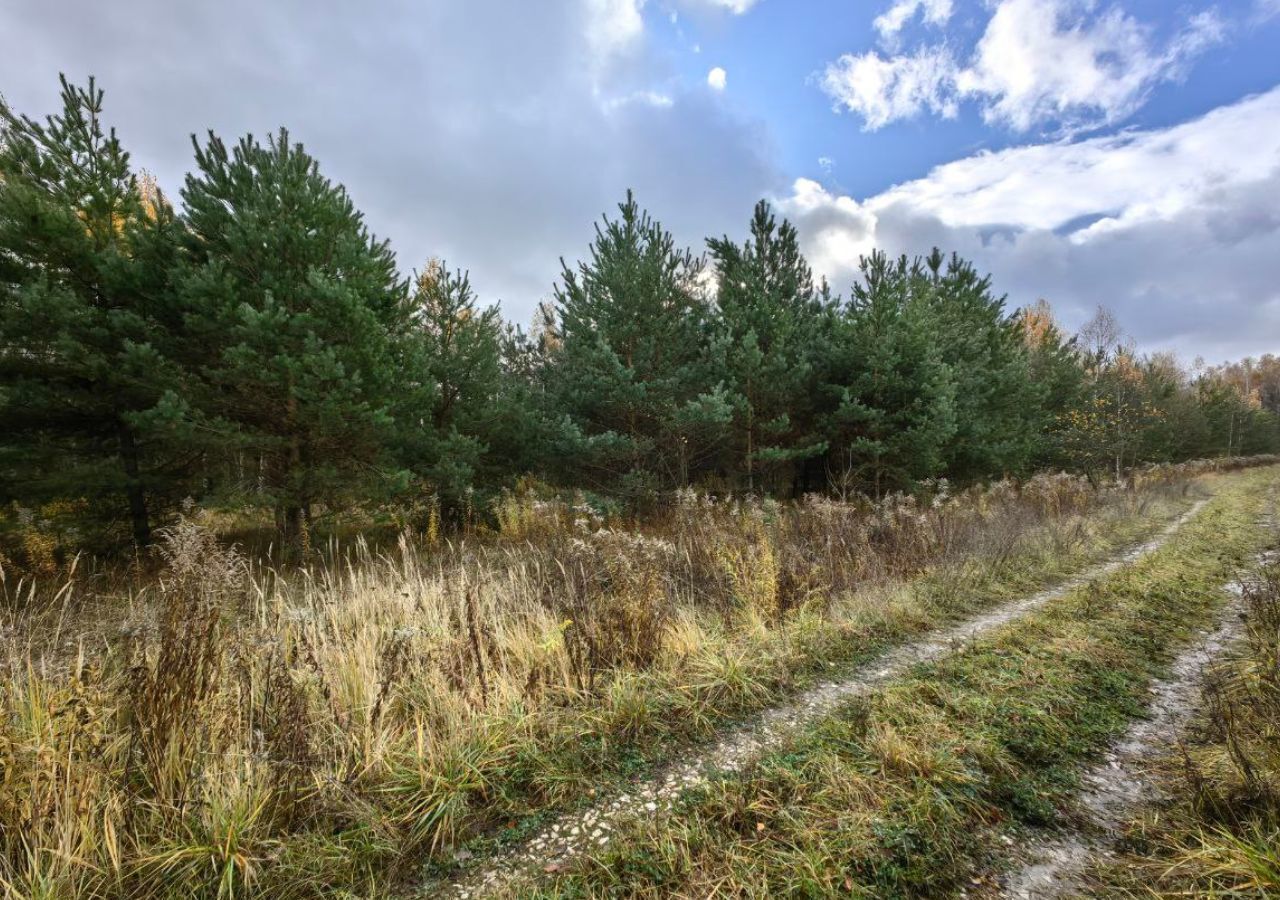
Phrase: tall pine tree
pixel 996 400
pixel 892 398
pixel 91 389
pixel 296 305
pixel 1057 371
pixel 454 375
pixel 634 358
pixel 770 318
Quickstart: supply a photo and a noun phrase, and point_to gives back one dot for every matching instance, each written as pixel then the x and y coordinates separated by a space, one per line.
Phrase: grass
pixel 228 730
pixel 908 793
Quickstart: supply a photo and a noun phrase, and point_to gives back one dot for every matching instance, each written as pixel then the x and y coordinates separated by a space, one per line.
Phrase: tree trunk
pixel 133 487
pixel 295 536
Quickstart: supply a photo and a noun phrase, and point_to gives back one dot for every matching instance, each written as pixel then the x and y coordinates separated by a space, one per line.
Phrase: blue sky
pixel 775 55
pixel 1115 152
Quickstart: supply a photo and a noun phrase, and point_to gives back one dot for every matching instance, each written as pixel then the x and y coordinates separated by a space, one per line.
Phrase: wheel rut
pixel 1119 784
pixel 576 833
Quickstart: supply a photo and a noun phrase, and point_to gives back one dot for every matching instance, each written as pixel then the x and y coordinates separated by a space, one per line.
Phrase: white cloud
pixel 1037 61
pixel 894 19
pixel 737 7
pixel 884 90
pixel 717 78
pixel 1175 228
pixel 612 26
pixel 1049 60
pixel 836 230
pixel 1133 177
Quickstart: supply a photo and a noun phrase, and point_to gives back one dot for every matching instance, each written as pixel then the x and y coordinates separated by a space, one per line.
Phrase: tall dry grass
pixel 227 729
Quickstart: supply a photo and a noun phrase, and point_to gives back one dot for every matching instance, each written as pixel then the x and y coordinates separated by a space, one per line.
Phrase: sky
pixel 1086 152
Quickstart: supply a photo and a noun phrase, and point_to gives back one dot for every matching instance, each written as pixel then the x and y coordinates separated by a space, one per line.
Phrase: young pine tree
pixel 91 386
pixel 770 319
pixel 455 385
pixel 892 398
pixel 632 366
pixel 296 305
pixel 996 399
pixel 1057 371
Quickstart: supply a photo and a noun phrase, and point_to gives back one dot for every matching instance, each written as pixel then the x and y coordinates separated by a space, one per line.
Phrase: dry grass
pixel 913 790
pixel 226 729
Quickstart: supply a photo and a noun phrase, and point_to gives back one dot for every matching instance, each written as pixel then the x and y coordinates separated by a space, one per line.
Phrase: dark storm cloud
pixel 490 133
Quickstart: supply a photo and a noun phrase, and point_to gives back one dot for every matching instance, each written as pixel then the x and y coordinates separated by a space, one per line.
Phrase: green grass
pixel 908 793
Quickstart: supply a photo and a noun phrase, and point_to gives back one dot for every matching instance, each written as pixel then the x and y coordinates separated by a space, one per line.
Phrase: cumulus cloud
pixel 1174 228
pixel 612 26
pixel 836 230
pixel 895 18
pixel 884 90
pixel 470 131
pixel 1037 61
pixel 1049 60
pixel 717 78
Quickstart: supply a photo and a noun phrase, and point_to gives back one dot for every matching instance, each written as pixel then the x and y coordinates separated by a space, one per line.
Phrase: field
pixel 434 718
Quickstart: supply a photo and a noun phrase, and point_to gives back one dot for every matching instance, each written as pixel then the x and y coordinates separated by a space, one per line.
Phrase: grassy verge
pixel 1217 832
pixel 906 794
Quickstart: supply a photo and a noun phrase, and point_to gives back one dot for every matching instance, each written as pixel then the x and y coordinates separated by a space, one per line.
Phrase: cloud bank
pixel 1176 229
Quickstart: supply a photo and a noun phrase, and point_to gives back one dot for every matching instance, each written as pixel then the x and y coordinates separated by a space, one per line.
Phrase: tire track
pixel 573 834
pixel 1117 785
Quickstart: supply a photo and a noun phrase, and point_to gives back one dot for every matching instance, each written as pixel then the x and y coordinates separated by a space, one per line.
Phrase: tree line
pixel 254 344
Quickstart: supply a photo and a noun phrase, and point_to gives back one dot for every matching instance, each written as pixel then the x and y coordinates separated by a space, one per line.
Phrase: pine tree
pixel 455 363
pixel 1057 371
pixel 996 400
pixel 634 358
pixel 296 305
pixel 91 388
pixel 892 409
pixel 770 319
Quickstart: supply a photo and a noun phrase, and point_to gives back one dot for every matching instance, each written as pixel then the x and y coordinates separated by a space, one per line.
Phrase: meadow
pixel 221 727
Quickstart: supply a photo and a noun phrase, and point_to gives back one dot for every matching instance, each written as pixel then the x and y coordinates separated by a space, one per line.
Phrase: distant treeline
pixel 255 346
